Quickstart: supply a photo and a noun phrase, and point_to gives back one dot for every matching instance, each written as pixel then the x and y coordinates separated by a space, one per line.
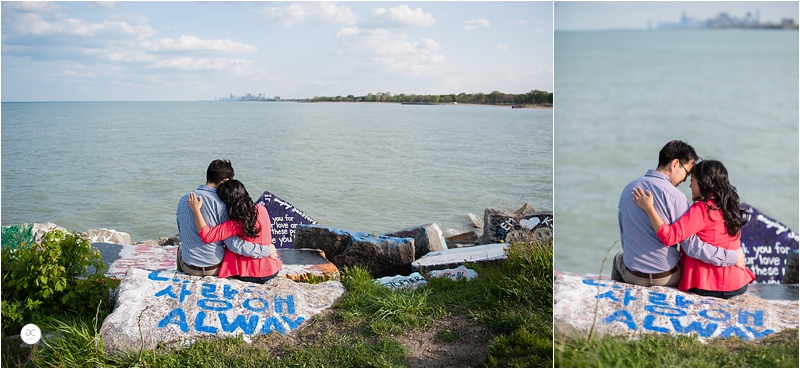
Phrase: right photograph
pixel 676 184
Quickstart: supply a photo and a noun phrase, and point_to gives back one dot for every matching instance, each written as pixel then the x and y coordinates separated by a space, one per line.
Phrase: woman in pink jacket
pixel 250 222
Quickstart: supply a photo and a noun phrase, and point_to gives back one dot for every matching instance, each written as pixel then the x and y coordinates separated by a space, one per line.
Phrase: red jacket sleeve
pixel 220 232
pixel 688 224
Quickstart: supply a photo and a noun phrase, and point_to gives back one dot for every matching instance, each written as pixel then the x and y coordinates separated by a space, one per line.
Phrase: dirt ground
pixel 464 344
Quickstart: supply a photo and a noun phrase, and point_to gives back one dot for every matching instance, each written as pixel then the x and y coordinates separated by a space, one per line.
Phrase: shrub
pixel 52 278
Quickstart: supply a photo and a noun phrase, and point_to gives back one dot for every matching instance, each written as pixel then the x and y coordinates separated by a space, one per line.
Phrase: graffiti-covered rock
pixel 501 226
pixel 767 244
pixel 381 256
pixel 107 236
pixel 285 219
pixel 452 258
pixel 174 308
pixel 583 304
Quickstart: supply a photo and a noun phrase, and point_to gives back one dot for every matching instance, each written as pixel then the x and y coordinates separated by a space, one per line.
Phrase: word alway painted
pixel 709 319
pixel 269 313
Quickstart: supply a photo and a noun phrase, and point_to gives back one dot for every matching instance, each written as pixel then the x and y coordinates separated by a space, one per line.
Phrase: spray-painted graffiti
pixel 267 312
pixel 285 219
pixel 142 256
pixel 766 244
pixel 682 314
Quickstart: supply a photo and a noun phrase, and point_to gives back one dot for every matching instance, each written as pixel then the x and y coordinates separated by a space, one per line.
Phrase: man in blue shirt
pixel 644 260
pixel 196 257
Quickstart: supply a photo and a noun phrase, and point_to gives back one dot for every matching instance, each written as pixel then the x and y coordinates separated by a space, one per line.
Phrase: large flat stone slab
pixel 767 244
pixel 381 256
pixel 452 258
pixel 285 219
pixel 174 308
pixel 628 310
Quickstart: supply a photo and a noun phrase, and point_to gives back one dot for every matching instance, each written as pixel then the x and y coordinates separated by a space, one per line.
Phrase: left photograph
pixel 231 184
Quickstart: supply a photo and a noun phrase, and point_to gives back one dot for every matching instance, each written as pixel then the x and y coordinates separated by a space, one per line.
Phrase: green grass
pixel 511 300
pixel 776 351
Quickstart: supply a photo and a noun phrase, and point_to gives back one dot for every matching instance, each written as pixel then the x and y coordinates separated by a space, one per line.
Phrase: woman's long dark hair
pixel 240 206
pixel 712 180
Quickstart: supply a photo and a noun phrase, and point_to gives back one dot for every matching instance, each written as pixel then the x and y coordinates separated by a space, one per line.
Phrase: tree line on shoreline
pixel 534 97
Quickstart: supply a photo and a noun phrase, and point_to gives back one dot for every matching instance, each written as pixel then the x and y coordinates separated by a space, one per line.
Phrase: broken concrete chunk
pixel 427 238
pixel 400 281
pixel 616 308
pixel 452 258
pixel 174 308
pixel 380 255
pixel 500 226
pixel 107 236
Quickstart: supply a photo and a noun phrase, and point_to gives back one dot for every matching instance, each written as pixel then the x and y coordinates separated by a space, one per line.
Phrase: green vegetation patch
pixel 779 350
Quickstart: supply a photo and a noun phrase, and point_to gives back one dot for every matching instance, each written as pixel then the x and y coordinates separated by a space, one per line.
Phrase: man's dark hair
pixel 219 170
pixel 676 149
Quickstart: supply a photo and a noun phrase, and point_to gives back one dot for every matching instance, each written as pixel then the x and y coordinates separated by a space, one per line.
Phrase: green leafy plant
pixel 52 278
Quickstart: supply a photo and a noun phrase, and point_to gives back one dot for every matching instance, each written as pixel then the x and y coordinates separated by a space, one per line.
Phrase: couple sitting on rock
pixel 654 217
pixel 223 233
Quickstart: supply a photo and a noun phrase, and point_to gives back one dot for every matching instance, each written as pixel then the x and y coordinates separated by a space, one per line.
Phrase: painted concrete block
pixel 629 310
pixel 500 226
pixel 411 281
pixel 302 265
pixel 174 308
pixel 380 255
pixel 454 273
pixel 23 235
pixel 427 238
pixel 767 244
pixel 107 236
pixel 452 258
pixel 285 219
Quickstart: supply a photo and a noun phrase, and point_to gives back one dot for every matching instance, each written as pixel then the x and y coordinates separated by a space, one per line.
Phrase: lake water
pixel 621 95
pixel 364 167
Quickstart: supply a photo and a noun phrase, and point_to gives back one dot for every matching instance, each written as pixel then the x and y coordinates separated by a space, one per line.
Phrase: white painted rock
pixel 455 273
pixel 108 236
pixel 411 281
pixel 452 258
pixel 174 308
pixel 630 310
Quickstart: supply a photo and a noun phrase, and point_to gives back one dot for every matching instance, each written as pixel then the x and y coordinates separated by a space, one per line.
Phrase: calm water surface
pixel 621 95
pixel 364 167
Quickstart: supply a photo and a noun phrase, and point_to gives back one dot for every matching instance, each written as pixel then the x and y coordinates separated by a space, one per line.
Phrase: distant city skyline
pixel 185 51
pixel 604 15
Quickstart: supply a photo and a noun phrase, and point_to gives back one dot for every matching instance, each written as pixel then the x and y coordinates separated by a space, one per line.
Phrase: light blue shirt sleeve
pixel 244 248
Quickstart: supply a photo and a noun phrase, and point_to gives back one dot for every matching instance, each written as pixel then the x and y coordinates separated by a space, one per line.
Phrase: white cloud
pixel 32 6
pixel 192 43
pixel 394 53
pixel 311 12
pixel 502 47
pixel 35 24
pixel 475 23
pixel 520 22
pixel 400 16
pixel 187 63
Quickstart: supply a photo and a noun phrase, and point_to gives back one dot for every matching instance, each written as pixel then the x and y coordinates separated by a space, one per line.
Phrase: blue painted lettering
pixel 293 324
pixel 176 316
pixel 221 305
pixel 706 331
pixel 622 316
pixel 272 324
pixel 153 276
pixel 682 302
pixel 280 301
pixel 759 334
pixel 731 330
pixel 199 324
pixel 248 326
pixel 758 317
pixel 649 324
pixel 657 298
pixel 228 292
pixel 208 291
pixel 167 291
pixel 665 310
pixel 593 282
pixel 724 318
pixel 264 304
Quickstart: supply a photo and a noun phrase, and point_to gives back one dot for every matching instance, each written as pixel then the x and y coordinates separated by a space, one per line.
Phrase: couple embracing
pixel 654 218
pixel 223 233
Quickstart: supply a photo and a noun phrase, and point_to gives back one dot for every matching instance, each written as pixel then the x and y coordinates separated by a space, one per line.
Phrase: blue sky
pixel 184 51
pixel 604 15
